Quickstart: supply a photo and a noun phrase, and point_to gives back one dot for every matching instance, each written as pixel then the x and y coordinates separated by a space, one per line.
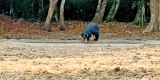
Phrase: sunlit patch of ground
pixel 131 59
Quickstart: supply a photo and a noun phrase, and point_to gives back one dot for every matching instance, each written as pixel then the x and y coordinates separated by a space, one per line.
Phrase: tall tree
pixel 100 11
pixel 154 24
pixel 50 14
pixel 113 10
pixel 62 24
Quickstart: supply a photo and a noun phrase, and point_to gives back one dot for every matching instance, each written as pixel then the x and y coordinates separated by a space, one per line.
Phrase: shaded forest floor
pixel 20 29
pixel 76 62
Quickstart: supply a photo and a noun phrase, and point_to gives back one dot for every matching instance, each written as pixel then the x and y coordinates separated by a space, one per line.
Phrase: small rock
pixel 141 70
pixel 138 53
pixel 117 69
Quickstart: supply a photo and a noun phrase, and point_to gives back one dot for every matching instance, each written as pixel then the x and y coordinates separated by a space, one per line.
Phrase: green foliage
pixel 35 10
pixel 27 9
pixel 140 17
pixel 135 4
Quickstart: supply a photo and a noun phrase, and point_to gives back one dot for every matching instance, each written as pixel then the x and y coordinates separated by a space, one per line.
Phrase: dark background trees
pixel 136 11
pixel 77 13
pixel 83 10
pixel 29 10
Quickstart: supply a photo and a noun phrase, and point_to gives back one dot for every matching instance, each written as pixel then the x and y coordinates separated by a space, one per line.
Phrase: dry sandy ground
pixel 78 62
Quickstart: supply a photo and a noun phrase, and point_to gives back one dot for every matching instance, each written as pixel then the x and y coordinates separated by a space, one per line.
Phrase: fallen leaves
pixel 74 28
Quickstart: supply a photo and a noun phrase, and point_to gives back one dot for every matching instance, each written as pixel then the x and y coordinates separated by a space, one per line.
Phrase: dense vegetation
pixel 83 10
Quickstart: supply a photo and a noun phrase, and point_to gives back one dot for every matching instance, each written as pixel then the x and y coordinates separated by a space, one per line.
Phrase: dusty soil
pixel 72 61
pixel 50 61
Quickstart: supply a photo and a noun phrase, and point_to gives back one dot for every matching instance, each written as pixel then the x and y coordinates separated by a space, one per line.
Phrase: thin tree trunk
pixel 97 18
pixel 104 3
pixel 154 24
pixel 11 8
pixel 140 16
pixel 100 11
pixel 42 5
pixel 113 10
pixel 99 5
pixel 56 15
pixel 62 24
pixel 50 14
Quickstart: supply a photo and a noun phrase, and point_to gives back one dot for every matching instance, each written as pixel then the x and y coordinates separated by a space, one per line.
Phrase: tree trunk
pixel 97 18
pixel 104 3
pixel 100 11
pixel 154 24
pixel 113 10
pixel 62 24
pixel 42 5
pixel 140 16
pixel 50 14
pixel 11 9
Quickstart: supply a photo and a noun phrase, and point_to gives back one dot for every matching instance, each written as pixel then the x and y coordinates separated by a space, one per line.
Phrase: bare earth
pixel 128 54
pixel 78 61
